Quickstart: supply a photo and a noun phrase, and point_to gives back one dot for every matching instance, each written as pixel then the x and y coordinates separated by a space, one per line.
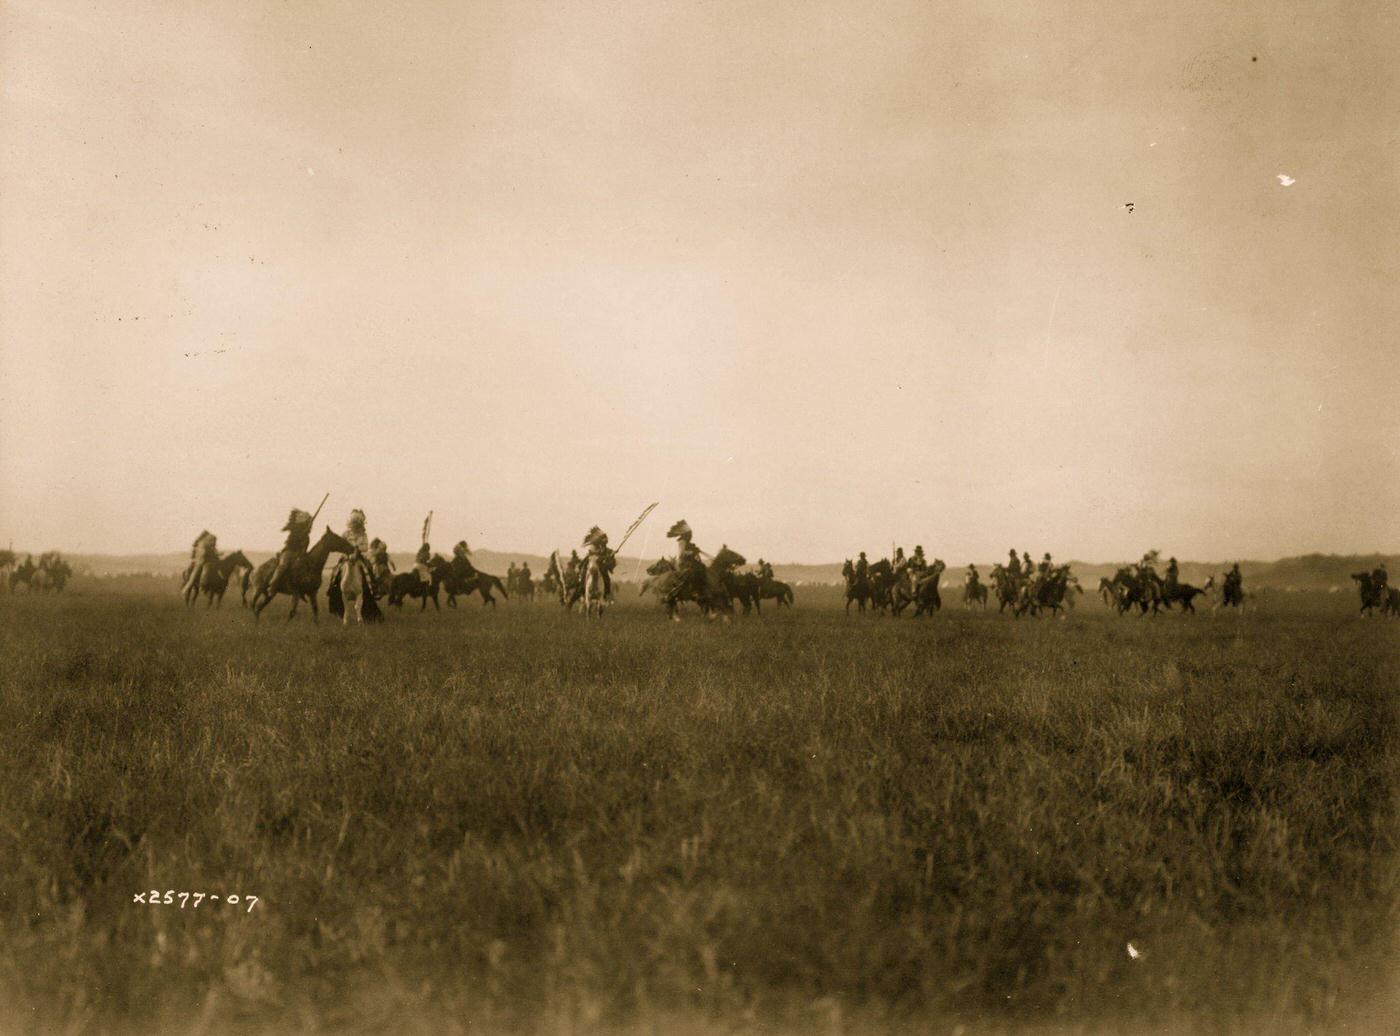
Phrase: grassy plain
pixel 520 821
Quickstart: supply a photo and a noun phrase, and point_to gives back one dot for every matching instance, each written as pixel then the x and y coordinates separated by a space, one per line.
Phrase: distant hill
pixel 1307 572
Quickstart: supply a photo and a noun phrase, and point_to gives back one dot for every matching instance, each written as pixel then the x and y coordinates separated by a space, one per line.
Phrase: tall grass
pixel 523 821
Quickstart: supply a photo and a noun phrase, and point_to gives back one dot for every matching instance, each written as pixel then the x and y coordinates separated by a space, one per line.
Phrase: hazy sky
pixel 816 276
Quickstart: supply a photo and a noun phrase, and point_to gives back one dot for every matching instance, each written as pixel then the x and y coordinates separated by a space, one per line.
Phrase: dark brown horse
pixel 302 580
pixel 857 587
pixel 462 577
pixel 214 580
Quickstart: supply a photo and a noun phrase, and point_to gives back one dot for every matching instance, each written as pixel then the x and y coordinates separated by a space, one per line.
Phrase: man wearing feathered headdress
pixel 358 537
pixel 597 543
pixel 298 530
pixel 205 551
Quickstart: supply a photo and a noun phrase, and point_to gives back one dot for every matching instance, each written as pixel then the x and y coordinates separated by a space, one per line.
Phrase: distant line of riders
pixel 50 572
pixel 365 572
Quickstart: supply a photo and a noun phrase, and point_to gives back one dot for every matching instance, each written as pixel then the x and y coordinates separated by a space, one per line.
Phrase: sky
pixel 818 277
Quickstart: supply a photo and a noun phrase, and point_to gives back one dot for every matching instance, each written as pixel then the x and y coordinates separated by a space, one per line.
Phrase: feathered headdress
pixel 204 535
pixel 296 519
pixel 596 536
pixel 462 549
pixel 681 528
pixel 356 521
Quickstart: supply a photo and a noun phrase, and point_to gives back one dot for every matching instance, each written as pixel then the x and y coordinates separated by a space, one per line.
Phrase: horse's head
pixel 662 565
pixel 727 559
pixel 333 541
pixel 937 567
pixel 881 567
pixel 848 569
pixel 237 560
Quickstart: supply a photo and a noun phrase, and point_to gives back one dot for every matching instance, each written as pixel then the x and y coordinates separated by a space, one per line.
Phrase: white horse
pixel 355 590
pixel 594 588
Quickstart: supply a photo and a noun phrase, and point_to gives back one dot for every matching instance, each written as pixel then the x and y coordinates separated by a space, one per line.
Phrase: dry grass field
pixel 523 822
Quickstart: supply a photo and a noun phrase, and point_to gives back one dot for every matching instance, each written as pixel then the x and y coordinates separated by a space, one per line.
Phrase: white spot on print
pixel 1286 180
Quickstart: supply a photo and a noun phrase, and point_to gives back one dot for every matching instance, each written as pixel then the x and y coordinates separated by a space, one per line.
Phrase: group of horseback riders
pixel 296 568
pixel 1026 586
pixel 894 582
pixel 1138 585
pixel 50 572
pixel 714 584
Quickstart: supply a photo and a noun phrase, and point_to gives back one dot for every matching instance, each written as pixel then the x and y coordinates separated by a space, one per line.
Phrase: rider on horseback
pixel 689 565
pixel 380 563
pixel 298 530
pixel 597 543
pixel 972 581
pixel 1173 573
pixel 420 563
pixel 1013 566
pixel 205 551
pixel 358 538
pixel 862 568
pixel 918 562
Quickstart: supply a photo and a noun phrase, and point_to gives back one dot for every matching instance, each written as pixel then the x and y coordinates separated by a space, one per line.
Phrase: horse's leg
pixel 315 611
pixel 296 598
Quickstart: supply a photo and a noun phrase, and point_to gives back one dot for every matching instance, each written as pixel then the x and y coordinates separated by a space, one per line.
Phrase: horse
pixel 595 593
pixel 524 587
pixel 214 580
pixel 1183 594
pixel 410 584
pixel 1129 589
pixel 351 591
pixel 58 571
pixel 744 588
pixel 673 586
pixel 773 590
pixel 882 579
pixel 975 593
pixel 1376 596
pixel 857 587
pixel 302 578
pixel 1007 586
pixel 8 559
pixel 1052 591
pixel 1232 595
pixel 23 573
pixel 927 599
pixel 462 577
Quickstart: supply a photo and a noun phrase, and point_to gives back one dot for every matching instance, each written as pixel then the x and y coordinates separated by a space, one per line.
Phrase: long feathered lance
pixel 427 525
pixel 635 525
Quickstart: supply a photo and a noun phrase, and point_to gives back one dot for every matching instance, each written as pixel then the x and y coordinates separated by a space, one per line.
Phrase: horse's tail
pixel 500 586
